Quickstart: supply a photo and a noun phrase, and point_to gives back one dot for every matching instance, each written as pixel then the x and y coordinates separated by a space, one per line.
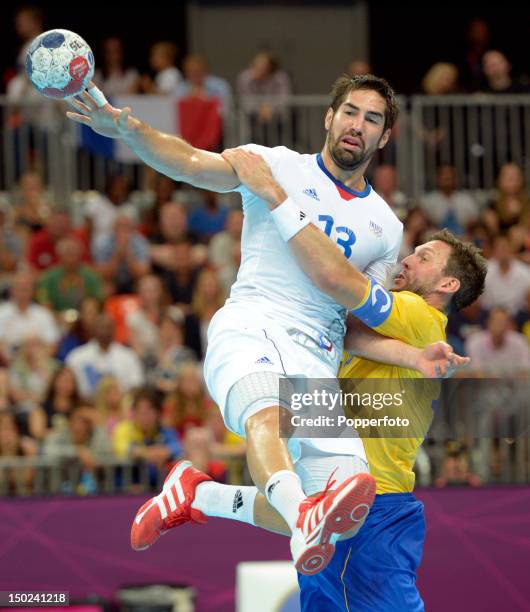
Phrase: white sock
pixel 284 492
pixel 226 501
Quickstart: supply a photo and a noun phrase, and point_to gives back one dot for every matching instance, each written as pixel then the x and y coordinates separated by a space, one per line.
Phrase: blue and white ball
pixel 60 64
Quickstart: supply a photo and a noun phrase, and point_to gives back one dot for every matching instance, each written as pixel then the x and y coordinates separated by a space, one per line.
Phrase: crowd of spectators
pixel 103 328
pixel 103 325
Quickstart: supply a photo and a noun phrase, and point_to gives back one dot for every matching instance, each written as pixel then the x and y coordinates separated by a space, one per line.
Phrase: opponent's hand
pixel 105 120
pixel 438 360
pixel 254 172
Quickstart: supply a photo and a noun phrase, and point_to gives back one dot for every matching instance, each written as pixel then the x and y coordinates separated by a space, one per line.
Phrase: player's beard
pixel 345 159
pixel 423 289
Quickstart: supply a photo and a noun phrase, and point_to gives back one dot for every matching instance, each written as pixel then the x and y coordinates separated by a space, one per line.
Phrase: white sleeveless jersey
pixel 269 278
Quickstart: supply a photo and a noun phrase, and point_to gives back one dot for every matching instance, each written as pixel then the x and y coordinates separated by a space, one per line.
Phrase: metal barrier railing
pixel 475 133
pixel 43 475
pixel 489 412
pixel 490 418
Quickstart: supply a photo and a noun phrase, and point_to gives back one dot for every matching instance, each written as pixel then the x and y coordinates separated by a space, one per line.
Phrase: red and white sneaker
pixel 170 508
pixel 324 518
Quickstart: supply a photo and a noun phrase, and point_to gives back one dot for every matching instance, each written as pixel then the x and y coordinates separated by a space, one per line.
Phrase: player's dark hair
pixel 345 84
pixel 467 264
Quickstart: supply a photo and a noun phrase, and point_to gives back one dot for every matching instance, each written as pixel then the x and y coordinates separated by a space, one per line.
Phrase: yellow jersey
pixel 404 316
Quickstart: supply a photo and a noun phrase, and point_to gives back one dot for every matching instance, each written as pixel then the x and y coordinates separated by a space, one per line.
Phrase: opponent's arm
pixel 437 360
pixel 165 153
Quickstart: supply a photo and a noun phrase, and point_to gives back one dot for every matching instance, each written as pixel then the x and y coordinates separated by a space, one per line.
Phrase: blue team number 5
pixel 347 242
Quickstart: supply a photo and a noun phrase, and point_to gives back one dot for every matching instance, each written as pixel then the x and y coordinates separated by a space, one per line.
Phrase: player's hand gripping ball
pixel 60 64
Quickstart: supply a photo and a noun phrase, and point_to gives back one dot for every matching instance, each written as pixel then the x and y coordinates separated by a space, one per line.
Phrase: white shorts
pixel 243 340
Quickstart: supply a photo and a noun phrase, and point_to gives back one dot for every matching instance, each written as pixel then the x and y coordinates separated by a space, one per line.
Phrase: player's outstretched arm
pixel 437 360
pixel 165 153
pixel 316 254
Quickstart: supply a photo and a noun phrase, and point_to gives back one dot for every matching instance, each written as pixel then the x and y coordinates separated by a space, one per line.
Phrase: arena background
pixel 64 512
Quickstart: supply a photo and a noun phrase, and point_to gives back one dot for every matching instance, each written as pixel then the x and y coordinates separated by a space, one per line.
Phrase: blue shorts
pixel 375 571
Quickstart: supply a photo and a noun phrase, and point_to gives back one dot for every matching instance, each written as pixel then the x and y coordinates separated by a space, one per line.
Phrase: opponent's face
pixel 356 129
pixel 423 271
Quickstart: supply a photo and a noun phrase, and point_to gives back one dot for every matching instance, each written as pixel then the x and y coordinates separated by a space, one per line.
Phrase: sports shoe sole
pixel 350 507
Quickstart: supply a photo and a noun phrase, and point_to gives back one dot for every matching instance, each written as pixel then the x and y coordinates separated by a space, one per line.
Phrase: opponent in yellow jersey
pixel 412 320
pixel 376 569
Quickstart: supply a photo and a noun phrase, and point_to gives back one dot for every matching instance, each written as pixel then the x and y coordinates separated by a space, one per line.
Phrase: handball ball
pixel 60 64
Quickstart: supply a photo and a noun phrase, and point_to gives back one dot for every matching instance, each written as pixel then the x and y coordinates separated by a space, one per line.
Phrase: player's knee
pixel 266 420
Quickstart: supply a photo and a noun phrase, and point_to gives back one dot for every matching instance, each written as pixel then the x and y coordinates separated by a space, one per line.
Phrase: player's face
pixel 423 271
pixel 356 129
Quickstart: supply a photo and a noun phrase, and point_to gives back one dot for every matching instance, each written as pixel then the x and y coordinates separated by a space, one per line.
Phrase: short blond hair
pixel 431 81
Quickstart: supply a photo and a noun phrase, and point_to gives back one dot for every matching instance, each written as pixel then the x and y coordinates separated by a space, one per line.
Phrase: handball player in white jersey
pixel 270 329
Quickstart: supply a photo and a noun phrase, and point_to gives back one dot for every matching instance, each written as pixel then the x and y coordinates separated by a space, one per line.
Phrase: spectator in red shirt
pixel 42 245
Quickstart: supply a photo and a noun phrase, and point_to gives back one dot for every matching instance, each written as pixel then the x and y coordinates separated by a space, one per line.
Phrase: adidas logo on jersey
pixel 264 360
pixel 302 215
pixel 238 501
pixel 312 193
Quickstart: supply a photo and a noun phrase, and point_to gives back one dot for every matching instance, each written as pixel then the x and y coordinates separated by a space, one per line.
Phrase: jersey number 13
pixel 345 236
